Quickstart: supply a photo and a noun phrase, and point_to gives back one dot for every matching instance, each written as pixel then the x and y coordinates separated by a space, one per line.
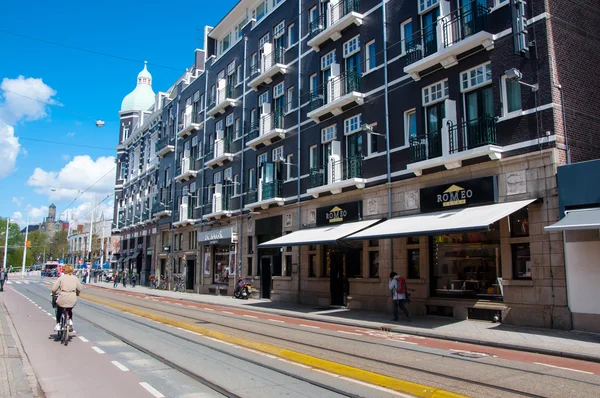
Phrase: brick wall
pixel 574 41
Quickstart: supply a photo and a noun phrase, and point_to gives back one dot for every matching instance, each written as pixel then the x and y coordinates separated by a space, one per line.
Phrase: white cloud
pixel 75 177
pixel 9 149
pixel 18 201
pixel 66 157
pixel 71 134
pixel 36 215
pixel 20 99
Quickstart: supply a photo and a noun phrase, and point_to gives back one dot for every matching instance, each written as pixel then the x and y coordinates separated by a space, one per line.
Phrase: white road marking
pixel 326 373
pixel 191 306
pixel 26 282
pixel 18 282
pixel 276 320
pixel 362 383
pixel 151 390
pixel 120 366
pixel 8 282
pixel 402 341
pixel 178 304
pixel 49 314
pixel 98 350
pixel 227 312
pixel 309 326
pixel 250 316
pixel 560 367
pixel 208 309
pixel 83 339
pixel 355 334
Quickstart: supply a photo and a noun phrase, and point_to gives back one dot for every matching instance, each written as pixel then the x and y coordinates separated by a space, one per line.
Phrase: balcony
pixel 270 130
pixel 164 146
pixel 440 43
pixel 331 24
pixel 339 92
pixel 253 131
pixel 220 153
pixel 454 144
pixel 185 216
pixel 270 65
pixel 335 176
pixel 219 207
pixel 187 128
pixel 161 210
pixel 267 194
pixel 185 172
pixel 221 100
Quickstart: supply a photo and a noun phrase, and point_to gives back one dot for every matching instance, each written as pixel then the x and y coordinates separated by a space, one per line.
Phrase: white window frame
pixel 236 185
pixel 237 132
pixel 368 57
pixel 369 142
pixel 251 178
pixel 426 5
pixel 289 164
pixel 239 75
pixel 290 93
pixel 402 35
pixel 278 90
pixel 231 68
pixel 311 82
pixel 313 156
pixel 261 159
pixel 219 126
pixel 229 120
pixel 228 174
pixel 263 98
pixel 217 178
pixel 327 60
pixel 277 153
pixel 290 37
pixel 328 134
pixel 263 40
pixel 471 77
pixel 279 30
pixel 407 113
pixel 353 124
pixel 432 90
pixel 352 46
pixel 504 99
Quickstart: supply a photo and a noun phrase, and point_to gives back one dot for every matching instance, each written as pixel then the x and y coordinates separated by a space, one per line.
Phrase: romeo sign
pixel 345 212
pixel 478 191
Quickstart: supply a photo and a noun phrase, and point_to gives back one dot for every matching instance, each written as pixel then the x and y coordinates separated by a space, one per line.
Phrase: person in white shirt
pixel 397 286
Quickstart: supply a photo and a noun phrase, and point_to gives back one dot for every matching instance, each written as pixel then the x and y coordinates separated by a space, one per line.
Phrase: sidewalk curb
pixel 399 329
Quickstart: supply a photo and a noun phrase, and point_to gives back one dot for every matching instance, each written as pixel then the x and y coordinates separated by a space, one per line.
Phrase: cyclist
pixel 68 288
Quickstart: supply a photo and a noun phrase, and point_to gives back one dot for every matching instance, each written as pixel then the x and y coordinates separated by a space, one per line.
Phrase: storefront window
pixel 250 245
pixel 521 261
pixel 312 265
pixel 373 264
pixel 250 266
pixel 288 265
pixel 374 243
pixel 467 265
pixel 519 223
pixel 221 265
pixel 327 263
pixel 413 257
pixel 412 240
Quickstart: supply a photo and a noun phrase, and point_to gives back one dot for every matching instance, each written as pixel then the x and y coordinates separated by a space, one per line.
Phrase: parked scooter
pixel 242 289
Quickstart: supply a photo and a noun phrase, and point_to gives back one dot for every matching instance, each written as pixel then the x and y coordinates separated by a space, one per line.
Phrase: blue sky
pixel 160 32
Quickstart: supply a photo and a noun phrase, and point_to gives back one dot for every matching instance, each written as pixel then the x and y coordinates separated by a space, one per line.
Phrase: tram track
pixel 195 376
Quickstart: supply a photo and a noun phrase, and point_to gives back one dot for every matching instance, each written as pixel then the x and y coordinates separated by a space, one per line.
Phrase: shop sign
pixel 337 214
pixel 214 237
pixel 473 192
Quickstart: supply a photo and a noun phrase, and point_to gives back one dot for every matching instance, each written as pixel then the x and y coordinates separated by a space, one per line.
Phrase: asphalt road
pixel 179 362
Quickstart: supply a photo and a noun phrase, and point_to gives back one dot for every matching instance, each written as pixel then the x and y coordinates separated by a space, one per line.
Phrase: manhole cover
pixel 470 354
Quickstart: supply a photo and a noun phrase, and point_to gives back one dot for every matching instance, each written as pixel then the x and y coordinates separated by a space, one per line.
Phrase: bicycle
pixel 63 332
pixel 179 283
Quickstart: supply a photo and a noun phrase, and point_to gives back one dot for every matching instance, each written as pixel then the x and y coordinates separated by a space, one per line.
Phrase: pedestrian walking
pixel 400 295
pixel 124 277
pixel 133 279
pixel 3 278
pixel 115 279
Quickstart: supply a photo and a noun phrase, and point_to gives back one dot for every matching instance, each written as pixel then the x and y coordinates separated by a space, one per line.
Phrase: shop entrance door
pixel 191 273
pixel 336 278
pixel 265 276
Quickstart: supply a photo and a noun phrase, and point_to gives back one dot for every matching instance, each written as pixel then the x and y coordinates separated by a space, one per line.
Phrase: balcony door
pixel 326 13
pixel 429 23
pixel 479 114
pixel 471 16
pixel 434 116
pixel 354 145
pixel 353 72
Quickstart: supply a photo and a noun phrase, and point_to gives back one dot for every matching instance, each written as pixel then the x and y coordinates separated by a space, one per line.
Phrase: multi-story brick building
pixel 303 124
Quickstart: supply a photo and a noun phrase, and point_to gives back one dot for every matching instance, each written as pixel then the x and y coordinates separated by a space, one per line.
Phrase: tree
pixel 15 241
pixel 59 244
pixel 39 245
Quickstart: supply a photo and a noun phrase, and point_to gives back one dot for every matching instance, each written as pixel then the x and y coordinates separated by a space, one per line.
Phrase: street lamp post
pixel 25 246
pixel 6 243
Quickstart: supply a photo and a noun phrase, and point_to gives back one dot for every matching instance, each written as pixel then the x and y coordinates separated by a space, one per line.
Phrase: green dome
pixel 142 97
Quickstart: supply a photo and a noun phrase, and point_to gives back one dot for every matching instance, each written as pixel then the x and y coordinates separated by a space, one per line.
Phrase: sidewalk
pixel 568 344
pixel 16 374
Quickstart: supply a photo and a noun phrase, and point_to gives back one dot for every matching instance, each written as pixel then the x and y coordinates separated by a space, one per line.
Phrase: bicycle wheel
pixel 64 327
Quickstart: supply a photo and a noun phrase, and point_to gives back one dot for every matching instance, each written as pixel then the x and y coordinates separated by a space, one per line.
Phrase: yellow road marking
pixel 418 390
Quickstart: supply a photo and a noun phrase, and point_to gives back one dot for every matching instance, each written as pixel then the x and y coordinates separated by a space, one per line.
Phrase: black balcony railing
pixel 252 196
pixel 341 170
pixel 207 208
pixel 220 96
pixel 472 134
pixel 253 131
pixel 219 148
pixel 425 146
pixel 162 143
pixel 335 88
pixel 458 25
pixel 267 61
pixel 334 14
pixel 272 121
pixel 273 189
pixel 470 19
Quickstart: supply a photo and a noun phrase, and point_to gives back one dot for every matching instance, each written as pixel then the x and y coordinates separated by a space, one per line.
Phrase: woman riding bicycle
pixel 68 288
